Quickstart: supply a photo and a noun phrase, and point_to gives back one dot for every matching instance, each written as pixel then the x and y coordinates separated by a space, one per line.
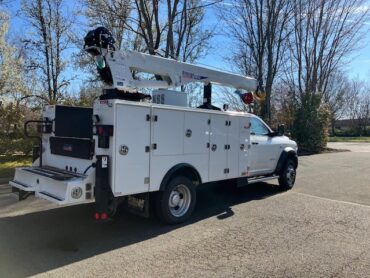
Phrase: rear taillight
pixel 103 132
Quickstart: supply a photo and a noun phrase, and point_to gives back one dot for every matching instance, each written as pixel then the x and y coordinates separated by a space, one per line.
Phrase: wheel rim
pixel 179 200
pixel 290 175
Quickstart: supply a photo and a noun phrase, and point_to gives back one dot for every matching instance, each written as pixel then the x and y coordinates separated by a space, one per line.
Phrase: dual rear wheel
pixel 177 202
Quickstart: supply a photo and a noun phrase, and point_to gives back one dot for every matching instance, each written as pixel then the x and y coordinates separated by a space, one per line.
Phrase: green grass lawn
pixel 9 163
pixel 350 139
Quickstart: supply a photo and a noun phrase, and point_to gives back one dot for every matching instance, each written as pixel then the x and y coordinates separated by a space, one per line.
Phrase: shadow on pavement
pixel 42 241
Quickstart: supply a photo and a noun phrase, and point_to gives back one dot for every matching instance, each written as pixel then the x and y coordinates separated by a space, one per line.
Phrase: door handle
pixel 255 143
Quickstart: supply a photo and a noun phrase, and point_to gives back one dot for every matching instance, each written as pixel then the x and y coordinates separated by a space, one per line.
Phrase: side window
pixel 258 128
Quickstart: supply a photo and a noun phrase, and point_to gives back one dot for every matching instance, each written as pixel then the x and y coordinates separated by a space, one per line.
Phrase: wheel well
pixel 283 158
pixel 182 169
pixel 292 155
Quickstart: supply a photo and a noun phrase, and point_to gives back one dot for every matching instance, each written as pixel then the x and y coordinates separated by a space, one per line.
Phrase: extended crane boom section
pixel 172 72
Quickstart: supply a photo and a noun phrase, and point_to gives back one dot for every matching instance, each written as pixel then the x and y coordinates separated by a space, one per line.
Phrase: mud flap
pixel 241 182
pixel 138 204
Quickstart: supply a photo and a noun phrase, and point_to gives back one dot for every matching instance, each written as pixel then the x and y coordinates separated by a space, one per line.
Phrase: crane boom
pixel 116 68
pixel 173 73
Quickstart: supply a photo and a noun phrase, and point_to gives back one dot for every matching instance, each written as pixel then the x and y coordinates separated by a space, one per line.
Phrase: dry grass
pixel 362 139
pixel 9 163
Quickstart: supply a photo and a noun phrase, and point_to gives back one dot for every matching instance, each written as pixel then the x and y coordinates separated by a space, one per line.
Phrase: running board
pixel 255 180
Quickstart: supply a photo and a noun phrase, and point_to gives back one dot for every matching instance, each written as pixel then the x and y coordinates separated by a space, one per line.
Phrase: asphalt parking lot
pixel 321 228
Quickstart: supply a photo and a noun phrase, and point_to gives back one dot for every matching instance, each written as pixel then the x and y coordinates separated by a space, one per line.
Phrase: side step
pixel 21 186
pixel 261 179
pixel 50 197
pixel 245 181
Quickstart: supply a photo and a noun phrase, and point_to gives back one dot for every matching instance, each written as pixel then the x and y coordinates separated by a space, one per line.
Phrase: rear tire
pixel 288 175
pixel 176 203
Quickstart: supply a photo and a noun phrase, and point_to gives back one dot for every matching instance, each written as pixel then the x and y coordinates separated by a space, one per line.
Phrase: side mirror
pixel 281 130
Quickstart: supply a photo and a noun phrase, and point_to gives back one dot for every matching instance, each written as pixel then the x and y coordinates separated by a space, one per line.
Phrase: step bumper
pixel 61 188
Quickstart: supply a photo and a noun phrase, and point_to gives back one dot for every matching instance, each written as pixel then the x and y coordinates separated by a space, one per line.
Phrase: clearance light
pixel 247 98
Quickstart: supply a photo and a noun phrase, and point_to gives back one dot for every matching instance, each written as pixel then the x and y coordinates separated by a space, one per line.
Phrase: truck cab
pixel 267 147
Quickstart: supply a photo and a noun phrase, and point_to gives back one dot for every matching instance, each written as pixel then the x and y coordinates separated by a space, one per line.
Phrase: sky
pixel 358 64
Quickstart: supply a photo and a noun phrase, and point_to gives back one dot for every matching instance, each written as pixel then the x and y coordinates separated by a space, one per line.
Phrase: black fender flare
pixel 290 153
pixel 180 168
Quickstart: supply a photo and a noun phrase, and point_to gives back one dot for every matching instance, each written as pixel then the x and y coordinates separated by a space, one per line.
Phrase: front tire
pixel 176 203
pixel 288 175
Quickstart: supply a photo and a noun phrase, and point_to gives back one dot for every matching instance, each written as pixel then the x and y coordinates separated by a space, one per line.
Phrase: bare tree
pixel 146 23
pixel 190 42
pixel 227 96
pixel 336 96
pixel 364 114
pixel 47 43
pixel 358 109
pixel 195 94
pixel 112 14
pixel 186 39
pixel 11 63
pixel 171 28
pixel 325 31
pixel 260 29
pixel 180 34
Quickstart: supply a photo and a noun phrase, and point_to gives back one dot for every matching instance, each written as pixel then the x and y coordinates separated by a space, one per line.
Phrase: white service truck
pixel 140 152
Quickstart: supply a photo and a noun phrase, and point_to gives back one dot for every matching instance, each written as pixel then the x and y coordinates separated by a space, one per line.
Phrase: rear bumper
pixel 55 185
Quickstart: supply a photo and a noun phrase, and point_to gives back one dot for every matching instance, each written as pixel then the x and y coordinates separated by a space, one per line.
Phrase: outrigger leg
pixel 103 192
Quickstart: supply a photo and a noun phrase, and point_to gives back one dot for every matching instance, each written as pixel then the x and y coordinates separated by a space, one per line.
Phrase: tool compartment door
pixel 244 153
pixel 167 143
pixel 196 133
pixel 167 132
pixel 233 147
pixel 131 154
pixel 217 150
